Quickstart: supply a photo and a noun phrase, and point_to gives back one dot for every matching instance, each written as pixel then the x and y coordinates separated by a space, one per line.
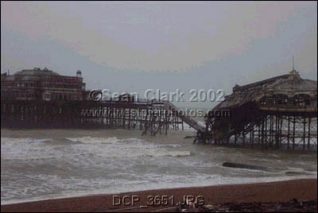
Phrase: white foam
pixel 94 140
pixel 169 153
pixel 96 165
pixel 201 181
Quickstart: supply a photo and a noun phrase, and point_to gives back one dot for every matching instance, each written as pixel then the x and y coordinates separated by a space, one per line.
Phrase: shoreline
pixel 276 191
pixel 98 193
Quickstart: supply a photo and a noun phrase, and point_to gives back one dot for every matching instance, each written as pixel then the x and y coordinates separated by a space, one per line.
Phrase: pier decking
pixel 152 117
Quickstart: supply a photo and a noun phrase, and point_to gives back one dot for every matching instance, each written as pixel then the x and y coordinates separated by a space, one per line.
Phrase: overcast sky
pixel 132 46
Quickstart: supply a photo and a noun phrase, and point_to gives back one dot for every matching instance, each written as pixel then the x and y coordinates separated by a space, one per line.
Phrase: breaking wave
pixel 170 154
pixel 94 140
pixel 80 162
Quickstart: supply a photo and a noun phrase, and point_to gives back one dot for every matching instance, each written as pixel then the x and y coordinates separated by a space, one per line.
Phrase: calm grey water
pixel 41 164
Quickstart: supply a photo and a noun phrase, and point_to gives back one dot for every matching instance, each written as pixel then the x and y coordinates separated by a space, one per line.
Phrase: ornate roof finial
pixel 293 71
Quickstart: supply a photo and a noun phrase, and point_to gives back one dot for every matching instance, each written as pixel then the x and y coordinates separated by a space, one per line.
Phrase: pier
pixel 151 117
pixel 276 113
pixel 41 98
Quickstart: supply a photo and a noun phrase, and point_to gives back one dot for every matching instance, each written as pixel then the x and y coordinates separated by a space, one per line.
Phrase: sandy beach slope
pixel 303 189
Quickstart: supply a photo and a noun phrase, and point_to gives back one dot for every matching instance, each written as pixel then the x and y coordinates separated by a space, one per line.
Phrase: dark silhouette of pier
pixel 276 113
pixel 152 117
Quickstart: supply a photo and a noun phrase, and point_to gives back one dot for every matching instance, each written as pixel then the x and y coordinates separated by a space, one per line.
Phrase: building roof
pixel 290 85
pixel 36 71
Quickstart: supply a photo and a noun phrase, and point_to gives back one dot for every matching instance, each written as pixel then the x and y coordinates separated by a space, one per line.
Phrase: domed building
pixel 41 84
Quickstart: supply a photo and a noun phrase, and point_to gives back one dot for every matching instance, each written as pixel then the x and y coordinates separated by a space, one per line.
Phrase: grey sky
pixel 135 45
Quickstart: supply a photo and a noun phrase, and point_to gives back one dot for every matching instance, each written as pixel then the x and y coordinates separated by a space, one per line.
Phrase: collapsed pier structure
pixel 279 113
pixel 41 98
pixel 149 116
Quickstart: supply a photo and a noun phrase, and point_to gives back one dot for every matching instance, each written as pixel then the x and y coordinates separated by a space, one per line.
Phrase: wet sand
pixel 282 191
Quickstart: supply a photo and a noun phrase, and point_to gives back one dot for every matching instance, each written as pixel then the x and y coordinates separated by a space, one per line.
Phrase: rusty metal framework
pixel 149 116
pixel 278 113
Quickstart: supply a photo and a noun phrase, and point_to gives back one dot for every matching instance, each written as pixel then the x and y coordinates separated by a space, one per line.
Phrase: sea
pixel 42 164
